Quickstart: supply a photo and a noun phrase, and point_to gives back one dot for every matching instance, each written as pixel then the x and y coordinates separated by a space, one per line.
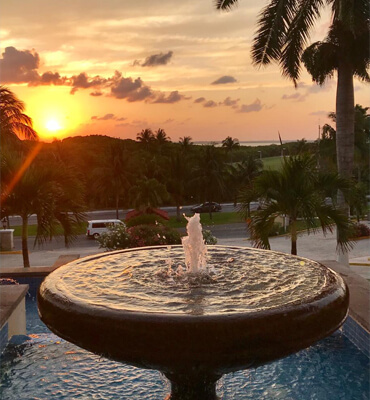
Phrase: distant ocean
pixel 249 143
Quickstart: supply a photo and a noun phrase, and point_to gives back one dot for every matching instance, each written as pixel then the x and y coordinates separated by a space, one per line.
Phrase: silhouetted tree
pixel 13 122
pixel 298 191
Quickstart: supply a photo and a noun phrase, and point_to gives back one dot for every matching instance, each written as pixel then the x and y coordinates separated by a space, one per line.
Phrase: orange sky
pixel 92 67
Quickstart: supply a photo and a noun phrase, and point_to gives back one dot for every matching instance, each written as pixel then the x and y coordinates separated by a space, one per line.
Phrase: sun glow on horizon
pixel 53 125
pixel 55 113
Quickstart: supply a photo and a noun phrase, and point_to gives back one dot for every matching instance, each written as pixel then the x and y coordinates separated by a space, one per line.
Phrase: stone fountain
pixel 221 310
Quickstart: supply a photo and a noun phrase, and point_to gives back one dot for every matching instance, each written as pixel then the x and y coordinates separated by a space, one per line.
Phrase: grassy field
pixel 217 219
pixel 33 228
pixel 273 163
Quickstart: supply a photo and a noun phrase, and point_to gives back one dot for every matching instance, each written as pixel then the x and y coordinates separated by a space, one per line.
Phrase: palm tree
pixel 230 145
pixel 113 178
pixel 283 31
pixel 209 175
pixel 186 142
pixel 298 191
pixel 246 172
pixel 361 141
pixel 148 193
pixel 13 122
pixel 47 189
pixel 146 137
pixel 178 179
pixel 161 137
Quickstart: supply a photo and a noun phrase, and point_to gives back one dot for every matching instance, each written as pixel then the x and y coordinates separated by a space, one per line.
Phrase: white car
pixel 96 227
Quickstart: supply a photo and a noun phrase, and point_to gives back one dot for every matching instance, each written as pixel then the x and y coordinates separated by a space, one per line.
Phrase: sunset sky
pixel 117 67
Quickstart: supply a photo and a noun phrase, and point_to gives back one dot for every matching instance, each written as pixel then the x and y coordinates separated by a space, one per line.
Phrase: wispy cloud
pixel 253 107
pixel 108 117
pixel 173 97
pixel 224 79
pixel 320 113
pixel 156 59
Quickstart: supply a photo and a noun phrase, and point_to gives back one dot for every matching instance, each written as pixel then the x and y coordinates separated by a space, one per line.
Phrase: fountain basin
pixel 193 348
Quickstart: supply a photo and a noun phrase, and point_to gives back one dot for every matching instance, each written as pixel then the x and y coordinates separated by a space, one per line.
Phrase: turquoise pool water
pixel 42 366
pixel 45 367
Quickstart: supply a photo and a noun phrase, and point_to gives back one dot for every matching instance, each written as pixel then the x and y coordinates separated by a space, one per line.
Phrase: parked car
pixel 96 227
pixel 206 207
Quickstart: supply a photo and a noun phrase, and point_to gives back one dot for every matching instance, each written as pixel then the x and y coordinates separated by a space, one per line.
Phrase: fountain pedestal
pixel 193 342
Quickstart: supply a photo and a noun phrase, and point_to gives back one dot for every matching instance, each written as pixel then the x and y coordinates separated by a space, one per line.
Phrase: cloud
pixel 129 89
pixel 156 59
pixel 199 100
pixel 295 96
pixel 224 79
pixel 83 81
pixel 210 104
pixel 255 106
pixel 19 66
pixel 167 121
pixel 108 117
pixel 173 97
pixel 52 78
pixel 228 102
pixel 319 113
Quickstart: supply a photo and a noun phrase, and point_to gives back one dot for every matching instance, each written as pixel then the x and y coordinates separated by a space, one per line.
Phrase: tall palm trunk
pixel 345 137
pixel 26 260
pixel 117 203
pixel 293 233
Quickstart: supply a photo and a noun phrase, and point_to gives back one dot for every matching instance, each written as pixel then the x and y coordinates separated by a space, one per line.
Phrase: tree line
pixel 59 181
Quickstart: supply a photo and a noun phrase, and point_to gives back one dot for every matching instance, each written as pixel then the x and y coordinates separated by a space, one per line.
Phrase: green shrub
pixel 209 238
pixel 145 219
pixel 152 235
pixel 277 229
pixel 360 230
pixel 117 237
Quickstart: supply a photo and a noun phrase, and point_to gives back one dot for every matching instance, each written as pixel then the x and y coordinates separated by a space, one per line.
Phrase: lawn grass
pixel 32 229
pixel 273 163
pixel 217 219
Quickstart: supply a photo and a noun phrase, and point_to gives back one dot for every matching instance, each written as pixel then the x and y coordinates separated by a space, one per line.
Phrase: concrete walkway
pixel 318 247
pixel 315 246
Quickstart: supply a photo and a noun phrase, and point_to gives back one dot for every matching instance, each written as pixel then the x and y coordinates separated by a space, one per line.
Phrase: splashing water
pixel 194 246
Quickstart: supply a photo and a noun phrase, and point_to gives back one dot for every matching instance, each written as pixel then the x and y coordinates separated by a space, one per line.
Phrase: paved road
pixel 111 214
pixel 231 231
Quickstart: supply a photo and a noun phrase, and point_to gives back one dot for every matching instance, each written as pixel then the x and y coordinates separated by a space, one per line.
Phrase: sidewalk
pixel 314 246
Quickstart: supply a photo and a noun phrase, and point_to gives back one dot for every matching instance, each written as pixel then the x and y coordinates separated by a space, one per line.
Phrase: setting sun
pixel 53 125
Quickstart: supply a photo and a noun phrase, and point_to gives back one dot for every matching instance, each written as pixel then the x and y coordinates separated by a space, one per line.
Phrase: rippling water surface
pixel 241 280
pixel 46 367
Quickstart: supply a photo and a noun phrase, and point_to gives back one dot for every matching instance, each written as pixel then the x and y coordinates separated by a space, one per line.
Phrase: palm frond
pixel 271 31
pixel 320 60
pixel 297 36
pixel 225 4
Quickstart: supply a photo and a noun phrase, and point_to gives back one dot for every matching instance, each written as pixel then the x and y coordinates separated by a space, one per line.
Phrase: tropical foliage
pixel 121 237
pixel 299 192
pixel 13 122
pixel 43 187
pixel 282 36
